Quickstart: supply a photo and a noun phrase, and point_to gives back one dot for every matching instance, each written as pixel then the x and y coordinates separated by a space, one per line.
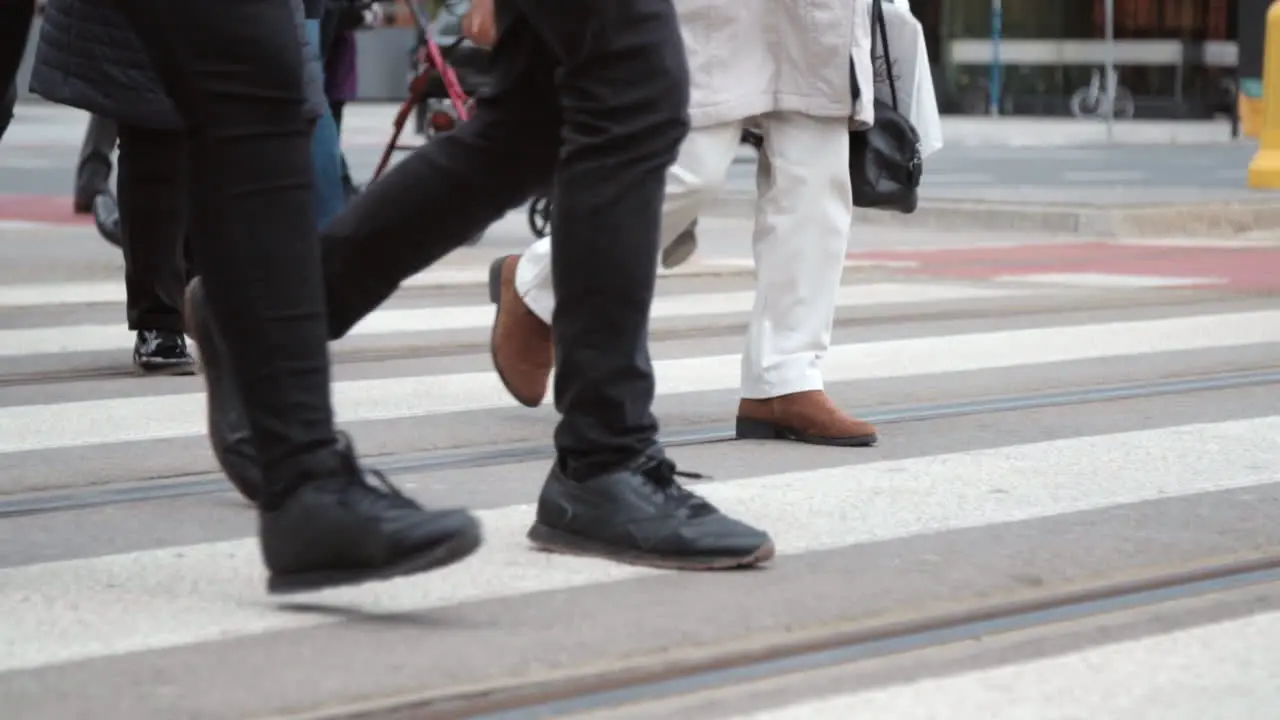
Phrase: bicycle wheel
pixel 1083 106
pixel 1124 104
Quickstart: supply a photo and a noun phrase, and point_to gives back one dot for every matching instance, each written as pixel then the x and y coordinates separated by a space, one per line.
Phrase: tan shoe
pixel 807 417
pixel 520 345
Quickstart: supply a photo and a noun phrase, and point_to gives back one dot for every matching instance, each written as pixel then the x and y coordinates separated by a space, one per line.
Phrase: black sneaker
pixel 229 434
pixel 342 530
pixel 162 352
pixel 641 515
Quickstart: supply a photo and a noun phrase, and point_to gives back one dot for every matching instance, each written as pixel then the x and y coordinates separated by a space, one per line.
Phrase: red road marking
pixel 1245 269
pixel 54 209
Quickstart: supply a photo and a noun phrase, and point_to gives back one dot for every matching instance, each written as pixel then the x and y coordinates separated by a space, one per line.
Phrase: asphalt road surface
pixel 1072 511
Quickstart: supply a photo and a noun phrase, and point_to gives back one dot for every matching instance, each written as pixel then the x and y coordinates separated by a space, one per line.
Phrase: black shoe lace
pixel 663 475
pixel 374 480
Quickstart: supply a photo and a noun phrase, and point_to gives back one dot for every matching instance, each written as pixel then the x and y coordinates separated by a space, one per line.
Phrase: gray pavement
pixel 1029 175
pixel 1009 463
pixel 130 585
pixel 1049 160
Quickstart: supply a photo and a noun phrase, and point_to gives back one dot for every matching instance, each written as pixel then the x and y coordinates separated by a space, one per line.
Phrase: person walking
pixel 591 96
pixel 15 26
pixel 234 73
pixel 781 67
pixel 326 150
pixel 105 70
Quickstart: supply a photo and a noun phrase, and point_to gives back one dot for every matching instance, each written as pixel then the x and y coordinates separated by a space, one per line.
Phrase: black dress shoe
pixel 344 530
pixel 229 434
pixel 162 352
pixel 642 515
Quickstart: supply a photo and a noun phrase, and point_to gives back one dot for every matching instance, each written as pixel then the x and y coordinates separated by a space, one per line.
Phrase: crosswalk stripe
pixel 95 422
pixel 1225 669
pixel 1111 280
pixel 89 338
pixel 73 610
pixel 100 292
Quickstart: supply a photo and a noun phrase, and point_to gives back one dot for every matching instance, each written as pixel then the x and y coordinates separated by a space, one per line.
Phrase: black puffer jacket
pixel 89 58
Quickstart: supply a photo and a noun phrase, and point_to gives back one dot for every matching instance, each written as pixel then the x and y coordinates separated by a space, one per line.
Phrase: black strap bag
pixel 885 163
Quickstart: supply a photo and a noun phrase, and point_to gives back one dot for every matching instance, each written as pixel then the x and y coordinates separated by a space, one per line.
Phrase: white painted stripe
pixel 112 291
pixel 93 422
pixel 79 609
pixel 65 293
pixel 957 178
pixel 1110 280
pixel 1224 671
pixel 13 225
pixel 89 338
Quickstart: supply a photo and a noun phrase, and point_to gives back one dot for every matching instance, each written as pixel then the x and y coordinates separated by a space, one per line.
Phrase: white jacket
pixel 749 57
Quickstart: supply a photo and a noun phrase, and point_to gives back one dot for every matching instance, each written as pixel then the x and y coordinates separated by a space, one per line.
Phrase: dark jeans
pixel 618 70
pixel 8 101
pixel 15 25
pixel 234 72
pixel 153 195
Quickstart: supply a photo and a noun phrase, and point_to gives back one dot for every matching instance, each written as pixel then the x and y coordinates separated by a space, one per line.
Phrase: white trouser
pixel 803 216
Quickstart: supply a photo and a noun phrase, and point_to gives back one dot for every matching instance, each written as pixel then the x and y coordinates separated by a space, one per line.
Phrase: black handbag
pixel 885 163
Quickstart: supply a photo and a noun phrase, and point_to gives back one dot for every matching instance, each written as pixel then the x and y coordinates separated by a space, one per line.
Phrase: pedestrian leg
pixel 235 73
pixel 623 83
pixel 522 288
pixel 153 194
pixel 801 235
pixel 15 26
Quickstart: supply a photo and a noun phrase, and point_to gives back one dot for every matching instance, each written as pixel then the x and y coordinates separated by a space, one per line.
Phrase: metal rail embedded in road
pixel 465 458
pixel 660 678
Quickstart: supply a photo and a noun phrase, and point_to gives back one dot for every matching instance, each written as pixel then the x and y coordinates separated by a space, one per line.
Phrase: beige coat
pixel 748 57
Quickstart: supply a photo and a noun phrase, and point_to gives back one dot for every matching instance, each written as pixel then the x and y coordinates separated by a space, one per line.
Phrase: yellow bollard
pixel 1264 170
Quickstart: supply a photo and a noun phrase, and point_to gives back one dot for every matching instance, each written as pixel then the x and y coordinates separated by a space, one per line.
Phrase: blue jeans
pixel 326 156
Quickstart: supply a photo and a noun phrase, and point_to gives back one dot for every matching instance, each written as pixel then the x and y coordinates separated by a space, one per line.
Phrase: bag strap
pixel 877 17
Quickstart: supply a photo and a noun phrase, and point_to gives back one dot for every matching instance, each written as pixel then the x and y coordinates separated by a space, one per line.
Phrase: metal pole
pixel 997 28
pixel 1111 67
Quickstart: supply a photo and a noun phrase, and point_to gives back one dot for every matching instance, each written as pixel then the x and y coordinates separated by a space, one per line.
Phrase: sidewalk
pixel 977 131
pixel 369 125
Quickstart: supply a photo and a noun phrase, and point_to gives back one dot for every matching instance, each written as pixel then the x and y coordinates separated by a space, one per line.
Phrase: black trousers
pixel 15 26
pixel 618 71
pixel 153 196
pixel 593 94
pixel 235 74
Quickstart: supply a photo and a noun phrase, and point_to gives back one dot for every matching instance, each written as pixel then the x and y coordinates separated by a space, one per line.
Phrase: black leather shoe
pixel 641 515
pixel 162 352
pixel 343 530
pixel 229 434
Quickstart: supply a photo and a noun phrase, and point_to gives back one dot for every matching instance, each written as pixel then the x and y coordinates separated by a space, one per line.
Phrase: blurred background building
pixel 1178 58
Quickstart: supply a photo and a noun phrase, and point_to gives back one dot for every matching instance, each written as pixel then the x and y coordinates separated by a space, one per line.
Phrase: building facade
pixel 1177 58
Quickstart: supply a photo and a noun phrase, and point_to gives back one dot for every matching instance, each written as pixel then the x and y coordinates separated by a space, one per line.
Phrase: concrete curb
pixel 1217 219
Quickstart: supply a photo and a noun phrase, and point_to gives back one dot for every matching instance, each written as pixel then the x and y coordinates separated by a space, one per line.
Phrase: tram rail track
pixel 163 488
pixel 670 675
